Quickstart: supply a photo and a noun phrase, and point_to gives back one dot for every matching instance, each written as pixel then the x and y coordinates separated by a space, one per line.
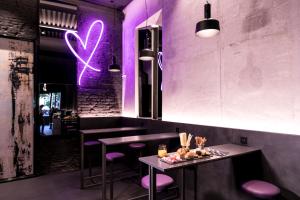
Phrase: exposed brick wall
pixel 100 93
pixel 18 18
pixel 102 101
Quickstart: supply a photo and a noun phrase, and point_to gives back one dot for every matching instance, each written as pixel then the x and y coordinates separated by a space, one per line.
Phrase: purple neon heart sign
pixel 86 45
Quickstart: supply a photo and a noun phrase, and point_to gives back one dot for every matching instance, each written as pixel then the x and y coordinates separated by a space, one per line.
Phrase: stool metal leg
pixel 90 165
pixel 141 167
pixel 195 182
pixel 81 161
pixel 103 171
pixel 111 189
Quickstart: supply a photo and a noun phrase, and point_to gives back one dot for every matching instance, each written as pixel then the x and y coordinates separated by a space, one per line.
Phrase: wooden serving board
pixel 170 161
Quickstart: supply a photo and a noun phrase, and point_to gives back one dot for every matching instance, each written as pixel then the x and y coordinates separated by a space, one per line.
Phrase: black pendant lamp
pixel 147 54
pixel 208 27
pixel 114 67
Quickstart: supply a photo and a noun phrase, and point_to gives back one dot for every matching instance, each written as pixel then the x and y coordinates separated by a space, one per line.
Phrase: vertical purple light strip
pixel 123 89
pixel 84 44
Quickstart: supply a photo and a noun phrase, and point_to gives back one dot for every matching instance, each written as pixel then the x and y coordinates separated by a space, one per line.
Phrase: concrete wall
pixel 247 77
pixel 100 92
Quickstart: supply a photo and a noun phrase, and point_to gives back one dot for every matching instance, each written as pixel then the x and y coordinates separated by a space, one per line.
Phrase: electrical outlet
pixel 177 130
pixel 243 140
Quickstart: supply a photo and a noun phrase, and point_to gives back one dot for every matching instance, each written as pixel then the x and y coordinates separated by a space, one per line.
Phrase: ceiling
pixel 120 4
pixel 56 18
pixel 57 15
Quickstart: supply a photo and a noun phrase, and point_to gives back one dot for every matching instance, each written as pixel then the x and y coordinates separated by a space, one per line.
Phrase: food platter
pixel 185 154
pixel 175 157
pixel 193 154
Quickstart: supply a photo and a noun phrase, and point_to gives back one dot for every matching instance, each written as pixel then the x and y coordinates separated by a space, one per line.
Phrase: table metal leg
pixel 103 172
pixel 152 188
pixel 182 188
pixel 111 185
pixel 81 161
pixel 195 182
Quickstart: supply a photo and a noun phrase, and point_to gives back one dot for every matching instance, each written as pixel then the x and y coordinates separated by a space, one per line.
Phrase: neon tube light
pixel 84 44
pixel 160 60
pixel 160 54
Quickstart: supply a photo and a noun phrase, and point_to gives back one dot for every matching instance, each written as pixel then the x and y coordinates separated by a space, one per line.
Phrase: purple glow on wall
pixel 135 15
pixel 123 89
pixel 84 44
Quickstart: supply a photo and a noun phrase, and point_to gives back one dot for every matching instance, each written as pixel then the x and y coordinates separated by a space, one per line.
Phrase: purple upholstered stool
pixel 89 145
pixel 137 145
pixel 261 189
pixel 112 157
pixel 162 181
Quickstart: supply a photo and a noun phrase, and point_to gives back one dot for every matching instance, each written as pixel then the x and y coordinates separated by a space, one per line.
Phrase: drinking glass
pixel 162 150
pixel 201 146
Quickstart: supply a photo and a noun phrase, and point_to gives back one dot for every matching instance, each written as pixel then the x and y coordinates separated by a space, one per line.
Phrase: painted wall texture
pixel 100 93
pixel 16 108
pixel 19 20
pixel 247 77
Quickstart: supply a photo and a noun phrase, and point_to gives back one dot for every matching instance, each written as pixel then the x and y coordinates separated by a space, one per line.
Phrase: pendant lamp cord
pixel 147 34
pixel 114 29
pixel 146 13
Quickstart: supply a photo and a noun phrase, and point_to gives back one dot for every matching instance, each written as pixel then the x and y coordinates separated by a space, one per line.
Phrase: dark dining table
pixel 126 140
pixel 99 133
pixel 154 163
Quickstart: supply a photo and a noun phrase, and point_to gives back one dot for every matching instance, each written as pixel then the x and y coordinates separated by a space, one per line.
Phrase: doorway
pixel 49 108
pixel 150 74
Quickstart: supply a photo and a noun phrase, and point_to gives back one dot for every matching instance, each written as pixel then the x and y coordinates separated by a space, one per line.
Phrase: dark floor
pixel 56 154
pixel 63 186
